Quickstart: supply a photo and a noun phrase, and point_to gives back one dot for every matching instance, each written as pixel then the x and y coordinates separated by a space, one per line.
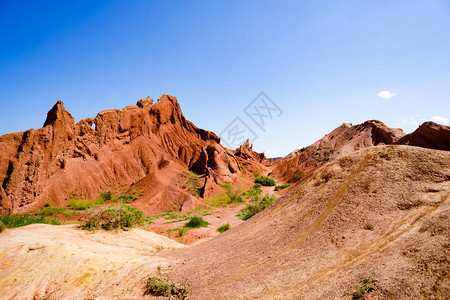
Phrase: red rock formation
pixel 429 135
pixel 219 166
pixel 341 141
pixel 117 147
pixel 245 151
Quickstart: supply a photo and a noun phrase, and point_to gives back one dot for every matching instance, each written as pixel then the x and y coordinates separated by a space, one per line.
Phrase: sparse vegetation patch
pixel 49 210
pixel 258 205
pixel 281 187
pixel 254 191
pixel 190 183
pixel 107 195
pixel 108 218
pixel 366 286
pixel 158 287
pixel 265 181
pixel 223 228
pixel 196 222
pixel 230 197
pixel 13 221
pixel 126 198
pixel 83 204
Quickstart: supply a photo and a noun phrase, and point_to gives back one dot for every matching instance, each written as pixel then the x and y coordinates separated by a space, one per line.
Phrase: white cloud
pixel 440 120
pixel 411 121
pixel 386 94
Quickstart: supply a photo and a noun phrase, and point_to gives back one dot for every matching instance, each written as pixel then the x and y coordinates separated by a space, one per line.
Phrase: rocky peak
pixel 381 134
pixel 58 114
pixel 145 102
pixel 429 135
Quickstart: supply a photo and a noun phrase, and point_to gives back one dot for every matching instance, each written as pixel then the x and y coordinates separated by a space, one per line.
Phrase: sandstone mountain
pixel 146 145
pixel 349 138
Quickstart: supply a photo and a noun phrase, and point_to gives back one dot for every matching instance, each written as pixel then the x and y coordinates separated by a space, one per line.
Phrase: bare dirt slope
pixel 62 262
pixel 380 214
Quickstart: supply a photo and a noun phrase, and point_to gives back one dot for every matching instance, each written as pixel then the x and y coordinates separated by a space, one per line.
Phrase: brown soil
pixel 381 213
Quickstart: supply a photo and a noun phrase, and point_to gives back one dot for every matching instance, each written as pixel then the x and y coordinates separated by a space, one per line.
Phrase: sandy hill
pixel 379 214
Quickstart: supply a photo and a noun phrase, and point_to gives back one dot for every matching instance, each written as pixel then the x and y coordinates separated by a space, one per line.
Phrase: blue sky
pixel 322 62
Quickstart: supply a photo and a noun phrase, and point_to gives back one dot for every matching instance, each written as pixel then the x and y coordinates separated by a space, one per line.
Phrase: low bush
pixel 196 222
pixel 191 184
pixel 70 214
pixel 281 187
pixel 126 198
pixel 181 231
pixel 366 286
pixel 230 197
pixel 156 286
pixel 223 228
pixel 49 210
pixel 83 204
pixel 108 218
pixel 252 209
pixel 253 191
pixel 265 181
pixel 108 195
pixel 13 221
pixel 2 226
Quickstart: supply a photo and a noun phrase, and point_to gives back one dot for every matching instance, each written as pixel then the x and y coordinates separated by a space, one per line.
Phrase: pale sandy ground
pixel 63 262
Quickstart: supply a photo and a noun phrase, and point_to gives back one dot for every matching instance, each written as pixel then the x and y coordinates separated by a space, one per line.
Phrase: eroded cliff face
pixel 343 140
pixel 429 135
pixel 47 165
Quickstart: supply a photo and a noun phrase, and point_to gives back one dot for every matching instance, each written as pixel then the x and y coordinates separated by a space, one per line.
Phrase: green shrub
pixel 281 187
pixel 223 228
pixel 252 209
pixel 126 198
pixel 181 231
pixel 157 287
pixel 112 218
pixel 69 214
pixel 230 197
pixel 13 221
pixel 2 226
pixel 265 181
pixel 83 204
pixel 49 210
pixel 108 195
pixel 253 191
pixel 190 183
pixel 196 222
pixel 226 186
pixel 366 286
